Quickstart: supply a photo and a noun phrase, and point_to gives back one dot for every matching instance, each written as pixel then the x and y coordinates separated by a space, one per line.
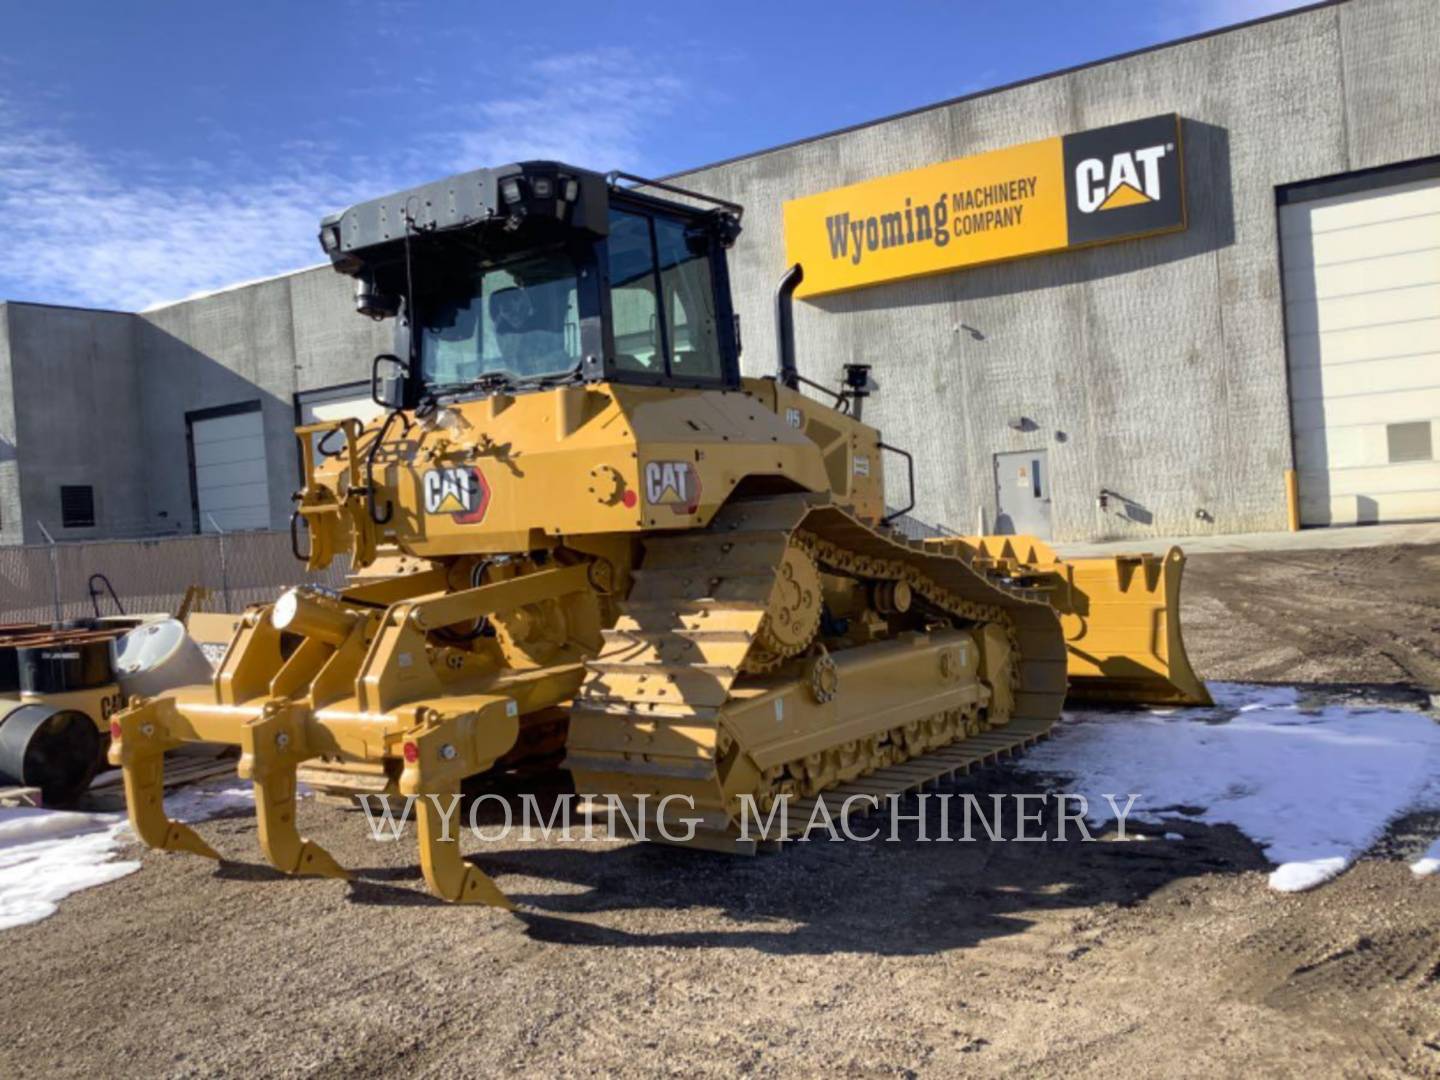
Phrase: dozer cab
pixel 577 528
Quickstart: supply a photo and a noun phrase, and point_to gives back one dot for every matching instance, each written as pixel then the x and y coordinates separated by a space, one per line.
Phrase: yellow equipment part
pixel 680 699
pixel 695 693
pixel 54 721
pixel 353 679
pixel 579 511
pixel 1120 615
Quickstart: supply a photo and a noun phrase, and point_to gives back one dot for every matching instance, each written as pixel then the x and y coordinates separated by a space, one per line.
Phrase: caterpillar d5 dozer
pixel 578 527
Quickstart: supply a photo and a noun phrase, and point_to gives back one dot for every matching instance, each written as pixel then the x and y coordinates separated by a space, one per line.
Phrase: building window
pixel 77 506
pixel 1409 442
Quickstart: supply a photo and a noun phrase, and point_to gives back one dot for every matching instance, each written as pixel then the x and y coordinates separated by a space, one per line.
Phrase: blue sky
pixel 150 150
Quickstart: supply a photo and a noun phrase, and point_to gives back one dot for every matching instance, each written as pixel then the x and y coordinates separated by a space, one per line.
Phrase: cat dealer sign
pixel 1093 187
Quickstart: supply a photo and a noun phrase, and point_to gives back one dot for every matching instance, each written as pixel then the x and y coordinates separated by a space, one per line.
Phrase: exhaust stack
pixel 788 374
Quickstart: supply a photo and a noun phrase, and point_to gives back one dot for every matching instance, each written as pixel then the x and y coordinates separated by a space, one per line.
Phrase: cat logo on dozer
pixel 675 484
pixel 459 492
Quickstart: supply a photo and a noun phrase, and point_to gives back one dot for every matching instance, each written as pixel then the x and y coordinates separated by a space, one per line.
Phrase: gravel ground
pixel 1114 959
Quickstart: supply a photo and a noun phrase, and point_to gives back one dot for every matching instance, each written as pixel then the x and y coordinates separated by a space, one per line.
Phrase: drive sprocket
pixel 792 613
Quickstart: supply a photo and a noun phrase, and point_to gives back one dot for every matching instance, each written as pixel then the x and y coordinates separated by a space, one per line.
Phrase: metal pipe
pixel 789 374
pixel 1292 500
pixel 301 612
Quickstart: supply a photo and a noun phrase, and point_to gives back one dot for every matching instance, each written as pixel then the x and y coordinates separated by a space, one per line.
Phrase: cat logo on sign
pixel 460 492
pixel 675 484
pixel 1130 178
pixel 1124 181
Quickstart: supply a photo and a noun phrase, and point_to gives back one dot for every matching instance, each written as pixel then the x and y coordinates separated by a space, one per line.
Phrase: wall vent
pixel 77 506
pixel 1409 442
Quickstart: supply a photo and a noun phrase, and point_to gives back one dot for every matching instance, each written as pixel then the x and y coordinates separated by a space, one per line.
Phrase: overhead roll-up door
pixel 1362 316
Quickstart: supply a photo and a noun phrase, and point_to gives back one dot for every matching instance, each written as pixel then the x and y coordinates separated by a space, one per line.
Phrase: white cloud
pixel 80 229
pixel 76 232
pixel 593 108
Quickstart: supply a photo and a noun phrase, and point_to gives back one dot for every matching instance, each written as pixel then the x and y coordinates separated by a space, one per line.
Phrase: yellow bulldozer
pixel 578 527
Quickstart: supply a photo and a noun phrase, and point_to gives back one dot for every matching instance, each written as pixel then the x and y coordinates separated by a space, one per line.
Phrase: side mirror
pixel 388 376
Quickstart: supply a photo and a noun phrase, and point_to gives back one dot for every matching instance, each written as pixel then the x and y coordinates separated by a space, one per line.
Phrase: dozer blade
pixel 1122 631
pixel 1121 618
pixel 1120 615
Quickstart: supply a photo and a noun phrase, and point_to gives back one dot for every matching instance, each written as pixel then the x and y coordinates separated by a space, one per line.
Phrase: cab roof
pixel 513 193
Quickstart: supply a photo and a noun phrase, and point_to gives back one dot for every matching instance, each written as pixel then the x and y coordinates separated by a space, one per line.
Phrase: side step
pixel 928 770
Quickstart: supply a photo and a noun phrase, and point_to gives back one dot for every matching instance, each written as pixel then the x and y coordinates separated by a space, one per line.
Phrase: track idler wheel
pixel 56 750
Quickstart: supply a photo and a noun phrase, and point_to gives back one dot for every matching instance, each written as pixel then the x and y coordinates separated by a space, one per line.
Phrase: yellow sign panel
pixel 1092 187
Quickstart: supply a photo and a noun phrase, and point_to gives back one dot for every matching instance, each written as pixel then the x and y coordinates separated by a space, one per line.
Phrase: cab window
pixel 633 306
pixel 689 300
pixel 517 317
pixel 662 300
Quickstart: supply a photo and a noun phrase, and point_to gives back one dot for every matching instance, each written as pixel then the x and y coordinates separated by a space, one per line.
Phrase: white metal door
pixel 1022 494
pixel 232 489
pixel 338 403
pixel 1362 313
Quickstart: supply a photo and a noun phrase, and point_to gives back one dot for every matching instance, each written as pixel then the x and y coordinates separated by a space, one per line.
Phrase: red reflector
pixel 114 729
pixel 412 752
pixel 629 500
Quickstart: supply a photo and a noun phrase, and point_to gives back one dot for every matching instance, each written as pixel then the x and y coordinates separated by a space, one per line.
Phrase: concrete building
pixel 179 419
pixel 1159 385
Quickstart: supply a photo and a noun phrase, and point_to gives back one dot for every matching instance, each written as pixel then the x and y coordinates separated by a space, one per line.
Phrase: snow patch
pixel 200 802
pixel 1428 865
pixel 46 855
pixel 1299 876
pixel 1314 787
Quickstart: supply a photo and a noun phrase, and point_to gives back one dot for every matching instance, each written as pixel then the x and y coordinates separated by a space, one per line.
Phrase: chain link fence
pixel 41 582
pixel 69 580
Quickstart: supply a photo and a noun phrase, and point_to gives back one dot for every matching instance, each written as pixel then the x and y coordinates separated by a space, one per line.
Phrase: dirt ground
pixel 1105 959
pixel 1364 616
